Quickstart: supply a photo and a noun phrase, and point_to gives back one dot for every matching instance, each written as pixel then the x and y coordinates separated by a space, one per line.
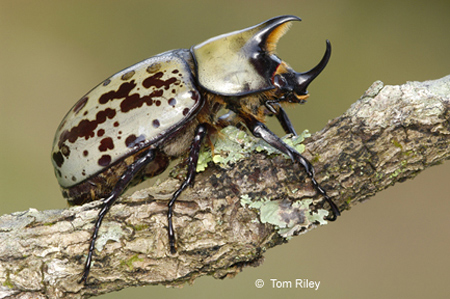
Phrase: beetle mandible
pixel 133 124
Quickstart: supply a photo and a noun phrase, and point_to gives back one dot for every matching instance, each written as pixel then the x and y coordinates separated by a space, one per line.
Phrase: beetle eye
pixel 280 82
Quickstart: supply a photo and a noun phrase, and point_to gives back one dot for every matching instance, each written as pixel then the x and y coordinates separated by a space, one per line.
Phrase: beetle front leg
pixel 200 133
pixel 123 182
pixel 285 122
pixel 282 117
pixel 261 131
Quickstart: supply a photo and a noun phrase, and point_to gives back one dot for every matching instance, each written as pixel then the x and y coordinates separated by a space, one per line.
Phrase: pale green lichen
pixel 7 283
pixel 396 143
pixel 288 217
pixel 114 232
pixel 130 261
pixel 246 200
pixel 236 145
pixel 398 171
pixel 140 227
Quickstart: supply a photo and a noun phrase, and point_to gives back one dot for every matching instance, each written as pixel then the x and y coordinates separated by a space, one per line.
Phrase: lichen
pixel 114 232
pixel 288 217
pixel 130 261
pixel 235 145
pixel 7 283
pixel 140 227
pixel 396 143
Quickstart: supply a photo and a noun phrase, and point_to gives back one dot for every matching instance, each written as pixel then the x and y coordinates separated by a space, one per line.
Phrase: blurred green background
pixel 393 246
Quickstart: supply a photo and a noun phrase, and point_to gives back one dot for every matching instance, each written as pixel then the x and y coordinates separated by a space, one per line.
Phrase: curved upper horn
pixel 240 62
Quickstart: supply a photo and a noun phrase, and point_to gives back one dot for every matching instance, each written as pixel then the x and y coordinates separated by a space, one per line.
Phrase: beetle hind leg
pixel 121 185
pixel 200 134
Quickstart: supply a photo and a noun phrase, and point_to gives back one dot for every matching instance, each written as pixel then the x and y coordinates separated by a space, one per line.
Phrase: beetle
pixel 134 123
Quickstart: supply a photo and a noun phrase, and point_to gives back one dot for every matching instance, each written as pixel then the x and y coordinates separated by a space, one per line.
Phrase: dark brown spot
pixel 158 103
pixel 175 71
pixel 85 153
pixel 172 102
pixel 116 124
pixel 134 101
pixel 58 158
pixel 128 75
pixel 185 111
pixel 85 128
pixel 123 91
pixel 155 123
pixel 80 104
pixel 155 81
pixel 100 132
pixel 153 68
pixel 132 140
pixel 195 95
pixel 106 144
pixel 104 160
pixel 74 178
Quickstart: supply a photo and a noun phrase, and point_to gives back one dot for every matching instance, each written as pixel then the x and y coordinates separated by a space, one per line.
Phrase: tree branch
pixel 233 214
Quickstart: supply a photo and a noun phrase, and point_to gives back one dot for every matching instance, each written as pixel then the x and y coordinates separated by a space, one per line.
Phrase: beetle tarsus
pixel 200 134
pixel 123 182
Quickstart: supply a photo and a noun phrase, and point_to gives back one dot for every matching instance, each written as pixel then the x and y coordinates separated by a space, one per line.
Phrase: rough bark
pixel 225 221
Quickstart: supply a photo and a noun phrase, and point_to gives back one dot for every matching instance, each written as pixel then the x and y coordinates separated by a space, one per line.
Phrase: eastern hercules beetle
pixel 133 124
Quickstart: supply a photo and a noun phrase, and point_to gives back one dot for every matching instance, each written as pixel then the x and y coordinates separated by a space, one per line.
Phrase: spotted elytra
pixel 134 123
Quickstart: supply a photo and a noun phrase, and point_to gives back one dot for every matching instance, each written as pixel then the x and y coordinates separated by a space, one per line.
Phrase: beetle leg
pixel 259 130
pixel 123 182
pixel 282 117
pixel 285 121
pixel 200 133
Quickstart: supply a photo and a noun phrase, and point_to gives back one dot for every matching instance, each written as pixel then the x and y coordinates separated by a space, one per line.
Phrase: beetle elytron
pixel 132 125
